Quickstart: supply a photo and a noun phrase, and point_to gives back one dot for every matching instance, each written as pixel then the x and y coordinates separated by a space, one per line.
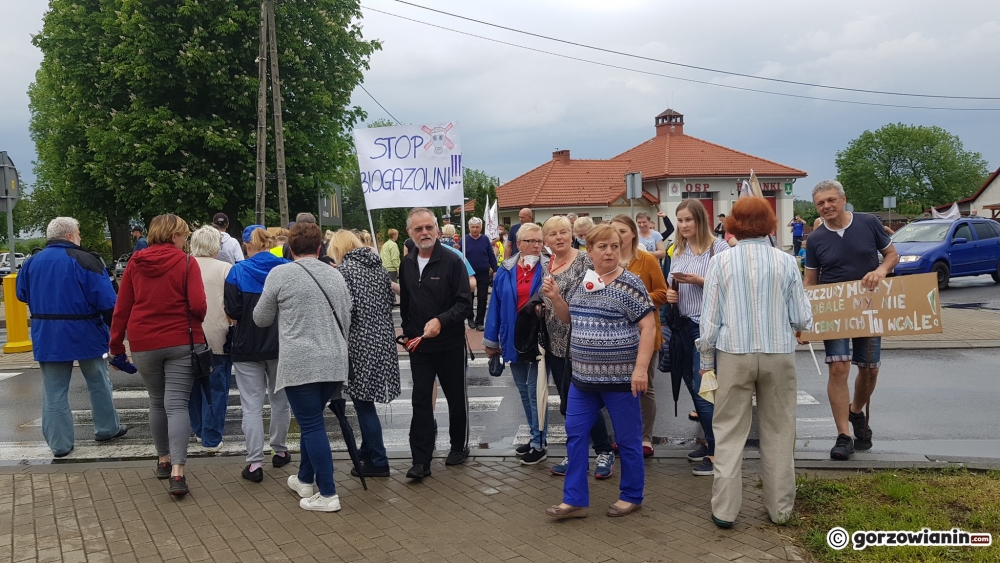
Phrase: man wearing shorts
pixel 846 248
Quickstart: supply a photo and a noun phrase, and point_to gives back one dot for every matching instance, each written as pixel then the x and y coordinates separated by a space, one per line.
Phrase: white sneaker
pixel 305 490
pixel 212 449
pixel 320 503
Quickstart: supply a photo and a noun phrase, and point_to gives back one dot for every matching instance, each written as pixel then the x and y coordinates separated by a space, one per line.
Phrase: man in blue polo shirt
pixel 798 227
pixel 846 248
pixel 479 253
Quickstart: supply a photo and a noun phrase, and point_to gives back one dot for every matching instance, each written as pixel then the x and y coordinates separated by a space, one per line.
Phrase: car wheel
pixel 996 273
pixel 943 274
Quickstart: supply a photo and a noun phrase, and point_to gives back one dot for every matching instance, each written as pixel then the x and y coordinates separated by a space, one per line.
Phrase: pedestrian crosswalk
pixel 8 374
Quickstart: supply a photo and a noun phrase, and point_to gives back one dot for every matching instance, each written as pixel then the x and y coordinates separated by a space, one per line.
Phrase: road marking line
pixel 801 398
pixel 9 374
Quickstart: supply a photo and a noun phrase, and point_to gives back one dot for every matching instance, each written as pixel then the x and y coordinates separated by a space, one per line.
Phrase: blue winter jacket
pixel 71 301
pixel 501 315
pixel 244 284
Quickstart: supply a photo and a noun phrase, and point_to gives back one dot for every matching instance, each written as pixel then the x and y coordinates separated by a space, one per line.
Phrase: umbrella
pixel 542 388
pixel 339 408
pixel 678 354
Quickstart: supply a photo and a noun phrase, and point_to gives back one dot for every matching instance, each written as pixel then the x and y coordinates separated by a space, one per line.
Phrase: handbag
pixel 202 362
pixel 350 367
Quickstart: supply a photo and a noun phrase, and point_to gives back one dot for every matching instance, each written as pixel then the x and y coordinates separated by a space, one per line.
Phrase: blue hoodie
pixel 244 284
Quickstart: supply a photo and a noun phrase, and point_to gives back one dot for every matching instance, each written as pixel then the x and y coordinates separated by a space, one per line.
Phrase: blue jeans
pixel 526 380
pixel 57 418
pixel 308 403
pixel 562 369
pixel 692 379
pixel 208 419
pixel 867 351
pixel 626 418
pixel 372 448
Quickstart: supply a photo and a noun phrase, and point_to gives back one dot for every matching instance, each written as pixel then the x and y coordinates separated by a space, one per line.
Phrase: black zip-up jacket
pixel 442 292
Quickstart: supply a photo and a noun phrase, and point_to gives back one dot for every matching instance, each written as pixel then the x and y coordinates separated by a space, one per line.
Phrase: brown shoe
pixel 614 511
pixel 557 511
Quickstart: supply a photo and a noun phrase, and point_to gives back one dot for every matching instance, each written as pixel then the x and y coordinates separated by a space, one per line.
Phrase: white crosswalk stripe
pixel 9 374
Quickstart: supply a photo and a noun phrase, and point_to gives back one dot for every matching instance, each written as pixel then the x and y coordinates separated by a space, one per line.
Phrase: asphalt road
pixel 976 291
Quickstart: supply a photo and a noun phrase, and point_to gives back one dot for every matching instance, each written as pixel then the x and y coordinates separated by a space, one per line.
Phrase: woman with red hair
pixel 754 306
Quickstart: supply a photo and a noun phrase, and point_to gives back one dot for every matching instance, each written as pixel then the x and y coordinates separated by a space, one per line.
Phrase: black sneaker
pixel 418 471
pixel 178 486
pixel 281 460
pixel 369 470
pixel 481 327
pixel 121 432
pixel 163 470
pixel 256 475
pixel 698 454
pixel 457 457
pixel 862 434
pixel 523 449
pixel 471 323
pixel 844 448
pixel 534 456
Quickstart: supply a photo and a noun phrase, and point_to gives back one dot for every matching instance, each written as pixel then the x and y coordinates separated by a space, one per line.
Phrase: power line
pixel 649 73
pixel 674 63
pixel 379 104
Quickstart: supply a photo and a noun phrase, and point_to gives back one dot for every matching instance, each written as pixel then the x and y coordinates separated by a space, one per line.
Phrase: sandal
pixel 557 511
pixel 614 511
pixel 693 415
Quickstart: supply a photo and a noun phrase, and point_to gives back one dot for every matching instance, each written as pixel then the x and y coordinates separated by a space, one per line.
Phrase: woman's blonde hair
pixel 448 230
pixel 555 223
pixel 342 242
pixel 703 236
pixel 327 236
pixel 163 228
pixel 206 242
pixel 583 223
pixel 365 237
pixel 260 240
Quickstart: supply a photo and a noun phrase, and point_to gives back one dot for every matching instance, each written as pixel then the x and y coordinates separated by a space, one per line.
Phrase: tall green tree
pixel 921 166
pixel 479 185
pixel 143 108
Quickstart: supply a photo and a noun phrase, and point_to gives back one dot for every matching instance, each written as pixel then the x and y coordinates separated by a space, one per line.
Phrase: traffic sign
pixel 11 187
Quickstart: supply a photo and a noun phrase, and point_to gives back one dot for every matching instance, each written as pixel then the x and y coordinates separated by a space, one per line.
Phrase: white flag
pixel 954 214
pixel 745 190
pixel 491 220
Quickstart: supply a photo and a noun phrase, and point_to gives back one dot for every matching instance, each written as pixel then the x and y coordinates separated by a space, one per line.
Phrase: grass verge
pixel 908 500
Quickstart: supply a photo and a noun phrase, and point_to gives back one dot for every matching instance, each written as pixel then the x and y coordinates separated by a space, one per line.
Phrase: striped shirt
pixel 754 302
pixel 689 295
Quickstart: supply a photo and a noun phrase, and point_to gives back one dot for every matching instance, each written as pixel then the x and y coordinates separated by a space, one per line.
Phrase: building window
pixel 697 195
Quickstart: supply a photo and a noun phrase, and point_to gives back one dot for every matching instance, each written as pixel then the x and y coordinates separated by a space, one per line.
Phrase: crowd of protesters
pixel 301 319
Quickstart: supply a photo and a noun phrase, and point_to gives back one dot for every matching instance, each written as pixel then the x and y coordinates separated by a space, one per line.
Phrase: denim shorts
pixel 867 351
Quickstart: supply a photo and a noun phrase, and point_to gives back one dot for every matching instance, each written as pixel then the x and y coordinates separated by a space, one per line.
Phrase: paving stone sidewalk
pixel 489 510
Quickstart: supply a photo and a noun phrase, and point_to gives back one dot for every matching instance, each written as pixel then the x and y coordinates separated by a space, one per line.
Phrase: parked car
pixel 5 263
pixel 949 248
pixel 121 263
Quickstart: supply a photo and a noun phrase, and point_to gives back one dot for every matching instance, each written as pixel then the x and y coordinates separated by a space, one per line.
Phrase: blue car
pixel 966 247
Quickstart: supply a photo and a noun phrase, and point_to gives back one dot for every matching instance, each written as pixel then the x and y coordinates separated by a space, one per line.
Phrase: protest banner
pixel 900 306
pixel 410 165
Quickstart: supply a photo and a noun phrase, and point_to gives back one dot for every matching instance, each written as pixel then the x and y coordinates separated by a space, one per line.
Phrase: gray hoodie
pixel 230 251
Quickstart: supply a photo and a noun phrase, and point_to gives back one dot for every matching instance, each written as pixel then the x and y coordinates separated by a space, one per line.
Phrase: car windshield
pixel 916 232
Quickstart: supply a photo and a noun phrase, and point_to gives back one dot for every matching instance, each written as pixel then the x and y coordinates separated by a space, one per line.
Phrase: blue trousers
pixel 308 403
pixel 208 418
pixel 626 419
pixel 372 449
pixel 705 410
pixel 526 380
pixel 57 418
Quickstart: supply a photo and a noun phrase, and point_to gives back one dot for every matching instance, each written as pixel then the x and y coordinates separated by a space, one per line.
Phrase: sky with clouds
pixel 516 106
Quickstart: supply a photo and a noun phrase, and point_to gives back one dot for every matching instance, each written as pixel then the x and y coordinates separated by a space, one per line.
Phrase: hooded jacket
pixel 501 315
pixel 152 306
pixel 230 250
pixel 244 284
pixel 71 301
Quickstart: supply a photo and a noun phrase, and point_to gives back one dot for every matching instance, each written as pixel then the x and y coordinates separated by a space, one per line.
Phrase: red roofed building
pixel 984 203
pixel 674 167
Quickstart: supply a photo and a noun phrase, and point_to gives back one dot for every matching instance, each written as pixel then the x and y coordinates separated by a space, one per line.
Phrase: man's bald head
pixel 525 215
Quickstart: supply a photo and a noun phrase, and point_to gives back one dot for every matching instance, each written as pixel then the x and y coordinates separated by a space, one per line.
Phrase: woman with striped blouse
pixel 695 246
pixel 754 304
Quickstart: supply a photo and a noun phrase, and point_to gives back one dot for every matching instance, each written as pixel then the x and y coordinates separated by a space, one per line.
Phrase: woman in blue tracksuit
pixel 516 281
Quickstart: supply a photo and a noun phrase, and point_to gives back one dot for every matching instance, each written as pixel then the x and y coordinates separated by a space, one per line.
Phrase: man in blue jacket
pixel 71 302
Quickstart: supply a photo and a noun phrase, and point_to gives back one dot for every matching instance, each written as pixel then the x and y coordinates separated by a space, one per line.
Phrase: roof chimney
pixel 561 156
pixel 669 123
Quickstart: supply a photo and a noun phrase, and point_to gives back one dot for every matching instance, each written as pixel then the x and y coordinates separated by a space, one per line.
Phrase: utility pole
pixel 268 36
pixel 261 116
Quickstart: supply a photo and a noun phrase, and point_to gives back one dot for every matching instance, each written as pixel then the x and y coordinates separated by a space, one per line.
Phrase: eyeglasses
pixel 531 241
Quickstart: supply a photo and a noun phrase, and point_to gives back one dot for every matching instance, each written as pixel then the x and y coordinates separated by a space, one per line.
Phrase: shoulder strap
pixel 328 300
pixel 187 306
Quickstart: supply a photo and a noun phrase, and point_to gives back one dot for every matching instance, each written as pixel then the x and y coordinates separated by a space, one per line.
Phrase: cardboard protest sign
pixel 900 306
pixel 410 165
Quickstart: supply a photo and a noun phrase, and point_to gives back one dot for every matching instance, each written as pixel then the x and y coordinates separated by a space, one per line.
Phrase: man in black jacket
pixel 434 302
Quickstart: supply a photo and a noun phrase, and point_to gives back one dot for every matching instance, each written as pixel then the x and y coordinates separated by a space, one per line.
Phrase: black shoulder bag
pixel 202 363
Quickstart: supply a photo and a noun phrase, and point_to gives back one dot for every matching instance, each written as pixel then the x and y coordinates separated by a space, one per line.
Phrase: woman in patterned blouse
pixel 611 342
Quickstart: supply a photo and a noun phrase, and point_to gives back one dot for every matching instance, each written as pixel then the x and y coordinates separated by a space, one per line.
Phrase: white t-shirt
pixel 230 250
pixel 650 243
pixel 421 262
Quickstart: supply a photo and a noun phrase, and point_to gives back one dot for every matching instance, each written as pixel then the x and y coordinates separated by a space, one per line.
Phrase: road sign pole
pixel 8 188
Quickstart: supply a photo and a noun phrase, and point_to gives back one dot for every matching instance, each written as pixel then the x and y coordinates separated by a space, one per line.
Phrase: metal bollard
pixel 18 339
